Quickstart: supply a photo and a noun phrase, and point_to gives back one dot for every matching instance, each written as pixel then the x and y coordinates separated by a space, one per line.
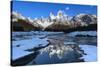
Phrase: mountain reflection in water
pixel 61 48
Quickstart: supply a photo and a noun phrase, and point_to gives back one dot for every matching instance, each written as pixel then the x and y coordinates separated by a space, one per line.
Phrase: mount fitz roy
pixel 60 22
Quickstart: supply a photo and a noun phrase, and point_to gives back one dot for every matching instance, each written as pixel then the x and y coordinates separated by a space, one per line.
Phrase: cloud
pixel 67 8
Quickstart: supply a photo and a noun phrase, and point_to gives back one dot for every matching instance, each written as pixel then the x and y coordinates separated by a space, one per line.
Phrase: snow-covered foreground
pixel 18 52
pixel 91 52
pixel 28 40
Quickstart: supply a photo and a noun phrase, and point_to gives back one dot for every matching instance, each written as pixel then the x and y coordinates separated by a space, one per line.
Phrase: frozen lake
pixel 55 47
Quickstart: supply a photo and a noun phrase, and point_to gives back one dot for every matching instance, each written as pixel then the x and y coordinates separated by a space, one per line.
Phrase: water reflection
pixel 61 48
pixel 64 49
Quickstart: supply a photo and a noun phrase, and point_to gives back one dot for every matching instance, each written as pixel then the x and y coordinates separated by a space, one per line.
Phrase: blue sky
pixel 38 9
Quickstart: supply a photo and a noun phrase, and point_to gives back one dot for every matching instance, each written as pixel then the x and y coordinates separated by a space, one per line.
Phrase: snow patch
pixel 91 52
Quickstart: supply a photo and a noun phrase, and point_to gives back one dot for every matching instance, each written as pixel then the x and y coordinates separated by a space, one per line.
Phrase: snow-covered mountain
pixel 16 16
pixel 58 22
pixel 21 23
pixel 44 23
pixel 84 19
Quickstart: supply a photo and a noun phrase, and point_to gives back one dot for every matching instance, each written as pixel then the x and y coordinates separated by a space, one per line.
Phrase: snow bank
pixel 91 33
pixel 91 52
pixel 18 52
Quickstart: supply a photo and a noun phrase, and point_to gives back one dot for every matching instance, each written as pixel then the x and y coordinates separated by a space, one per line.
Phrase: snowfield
pixel 91 52
pixel 18 52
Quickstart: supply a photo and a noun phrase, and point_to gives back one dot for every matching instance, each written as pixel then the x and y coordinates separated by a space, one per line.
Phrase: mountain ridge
pixel 61 22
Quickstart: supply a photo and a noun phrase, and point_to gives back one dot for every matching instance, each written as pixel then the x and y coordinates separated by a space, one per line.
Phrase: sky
pixel 38 9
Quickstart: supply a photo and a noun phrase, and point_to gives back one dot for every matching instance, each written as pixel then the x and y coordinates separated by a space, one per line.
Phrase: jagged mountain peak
pixel 86 18
pixel 52 16
pixel 60 14
pixel 30 20
pixel 61 20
